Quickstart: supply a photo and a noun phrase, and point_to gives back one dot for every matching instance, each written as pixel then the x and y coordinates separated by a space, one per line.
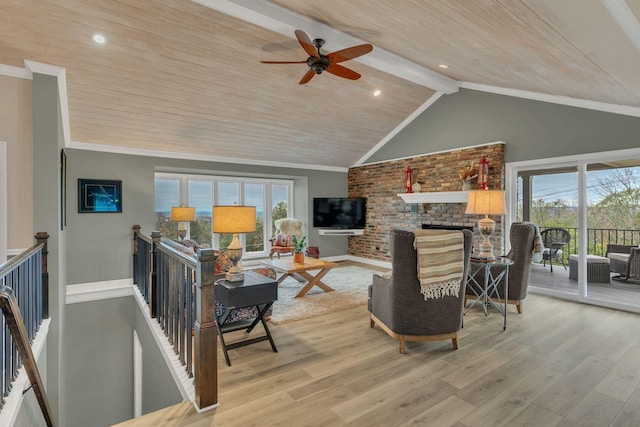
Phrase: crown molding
pixel 61 74
pixel 21 73
pixel 433 152
pixel 555 99
pixel 202 157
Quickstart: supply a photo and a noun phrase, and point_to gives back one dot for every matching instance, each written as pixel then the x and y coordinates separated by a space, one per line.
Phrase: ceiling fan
pixel 318 62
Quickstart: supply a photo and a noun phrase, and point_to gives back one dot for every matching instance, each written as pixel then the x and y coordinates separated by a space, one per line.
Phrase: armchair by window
pixel 554 240
pixel 522 238
pixel 397 305
pixel 624 260
pixel 282 243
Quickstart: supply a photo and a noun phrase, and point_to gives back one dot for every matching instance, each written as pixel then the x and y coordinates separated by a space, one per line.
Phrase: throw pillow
pixel 284 240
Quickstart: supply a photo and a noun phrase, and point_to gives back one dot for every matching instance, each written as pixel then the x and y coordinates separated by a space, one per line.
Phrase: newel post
pixel 136 233
pixel 205 334
pixel 156 236
pixel 41 237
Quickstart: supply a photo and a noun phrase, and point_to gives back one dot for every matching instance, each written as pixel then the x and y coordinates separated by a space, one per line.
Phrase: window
pixel 273 199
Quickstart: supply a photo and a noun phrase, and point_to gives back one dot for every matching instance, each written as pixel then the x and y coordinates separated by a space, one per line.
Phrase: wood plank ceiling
pixel 178 77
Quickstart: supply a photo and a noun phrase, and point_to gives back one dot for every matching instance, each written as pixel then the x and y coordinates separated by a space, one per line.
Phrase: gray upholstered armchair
pixel 522 237
pixel 397 305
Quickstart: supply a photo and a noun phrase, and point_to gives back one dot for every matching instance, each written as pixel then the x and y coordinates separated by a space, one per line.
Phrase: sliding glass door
pixel 596 199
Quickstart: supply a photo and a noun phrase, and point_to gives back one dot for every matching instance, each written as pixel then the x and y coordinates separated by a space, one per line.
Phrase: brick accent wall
pixel 381 182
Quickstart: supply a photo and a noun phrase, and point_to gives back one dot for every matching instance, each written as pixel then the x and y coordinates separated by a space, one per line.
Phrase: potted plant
pixel 299 243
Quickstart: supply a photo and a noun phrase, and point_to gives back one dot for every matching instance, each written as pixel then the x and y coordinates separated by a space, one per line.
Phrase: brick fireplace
pixel 381 182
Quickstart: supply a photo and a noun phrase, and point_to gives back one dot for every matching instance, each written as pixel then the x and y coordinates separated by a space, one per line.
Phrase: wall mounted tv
pixel 339 212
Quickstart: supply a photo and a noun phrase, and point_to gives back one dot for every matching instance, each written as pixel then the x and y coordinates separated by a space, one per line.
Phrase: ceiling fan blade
pixel 341 71
pixel 306 44
pixel 283 62
pixel 309 74
pixel 350 53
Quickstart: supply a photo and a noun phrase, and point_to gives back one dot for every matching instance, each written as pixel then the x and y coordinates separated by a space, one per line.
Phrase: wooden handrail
pixel 14 321
pixel 181 297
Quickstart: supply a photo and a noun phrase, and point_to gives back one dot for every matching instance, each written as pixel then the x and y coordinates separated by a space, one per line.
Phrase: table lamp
pixel 233 220
pixel 486 202
pixel 184 215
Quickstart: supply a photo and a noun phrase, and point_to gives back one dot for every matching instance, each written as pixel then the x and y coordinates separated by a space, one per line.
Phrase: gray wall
pixel 100 246
pixel 530 129
pixel 47 141
pixel 158 388
pixel 100 368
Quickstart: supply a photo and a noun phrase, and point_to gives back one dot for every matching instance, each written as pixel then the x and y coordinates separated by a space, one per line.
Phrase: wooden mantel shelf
pixel 435 197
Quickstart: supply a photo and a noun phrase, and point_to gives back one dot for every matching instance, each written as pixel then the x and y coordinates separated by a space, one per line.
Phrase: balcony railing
pixel 179 291
pixel 598 239
pixel 24 296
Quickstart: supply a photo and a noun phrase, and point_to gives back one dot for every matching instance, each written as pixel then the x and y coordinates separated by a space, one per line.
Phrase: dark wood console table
pixel 256 291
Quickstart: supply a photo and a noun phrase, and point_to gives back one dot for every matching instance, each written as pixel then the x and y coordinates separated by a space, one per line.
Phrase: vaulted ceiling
pixel 183 78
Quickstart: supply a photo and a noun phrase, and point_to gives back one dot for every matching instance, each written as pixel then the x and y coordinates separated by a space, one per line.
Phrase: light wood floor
pixel 558 364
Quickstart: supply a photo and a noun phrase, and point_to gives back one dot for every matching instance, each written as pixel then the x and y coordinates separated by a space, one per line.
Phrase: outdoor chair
pixel 397 305
pixel 554 239
pixel 624 260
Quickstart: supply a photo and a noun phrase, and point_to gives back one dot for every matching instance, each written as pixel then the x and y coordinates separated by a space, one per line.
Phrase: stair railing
pixel 24 284
pixel 179 290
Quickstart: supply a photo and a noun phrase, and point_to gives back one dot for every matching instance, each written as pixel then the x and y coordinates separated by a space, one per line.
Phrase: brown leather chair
pixel 397 305
pixel 522 238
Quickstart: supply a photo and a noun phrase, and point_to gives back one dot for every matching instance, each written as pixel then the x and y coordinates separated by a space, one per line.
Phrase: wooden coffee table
pixel 300 272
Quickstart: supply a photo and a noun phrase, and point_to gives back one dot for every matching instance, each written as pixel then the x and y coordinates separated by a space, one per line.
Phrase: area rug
pixel 349 281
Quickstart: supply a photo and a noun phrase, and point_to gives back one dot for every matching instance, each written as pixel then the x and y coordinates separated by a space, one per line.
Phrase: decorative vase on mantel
pixel 467 185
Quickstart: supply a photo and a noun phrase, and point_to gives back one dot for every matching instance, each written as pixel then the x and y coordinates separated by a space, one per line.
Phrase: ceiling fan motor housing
pixel 318 65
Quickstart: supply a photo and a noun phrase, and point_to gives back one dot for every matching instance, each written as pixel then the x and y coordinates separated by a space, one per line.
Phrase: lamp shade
pixel 183 214
pixel 486 202
pixel 234 219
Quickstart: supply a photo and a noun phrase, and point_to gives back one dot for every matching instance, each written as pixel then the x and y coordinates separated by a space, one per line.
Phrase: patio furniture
pixel 597 268
pixel 624 260
pixel 397 305
pixel 554 240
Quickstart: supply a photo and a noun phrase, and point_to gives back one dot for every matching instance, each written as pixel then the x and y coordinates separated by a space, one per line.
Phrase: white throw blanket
pixel 440 262
pixel 538 244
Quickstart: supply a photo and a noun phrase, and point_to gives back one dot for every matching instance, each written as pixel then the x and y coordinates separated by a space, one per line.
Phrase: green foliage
pixel 299 243
pixel 255 240
pixel 200 231
pixel 279 211
pixel 556 213
pixel 620 204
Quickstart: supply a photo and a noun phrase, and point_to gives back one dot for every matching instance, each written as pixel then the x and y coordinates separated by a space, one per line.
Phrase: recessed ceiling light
pixel 443 66
pixel 99 38
pixel 377 92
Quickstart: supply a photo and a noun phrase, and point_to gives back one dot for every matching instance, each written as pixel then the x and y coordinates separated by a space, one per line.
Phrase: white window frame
pixel 183 192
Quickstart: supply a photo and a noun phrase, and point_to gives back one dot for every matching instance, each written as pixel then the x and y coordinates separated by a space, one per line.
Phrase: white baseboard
pixel 377 263
pixel 96 291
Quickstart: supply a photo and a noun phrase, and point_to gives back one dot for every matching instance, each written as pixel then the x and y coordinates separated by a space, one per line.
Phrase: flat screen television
pixel 339 212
